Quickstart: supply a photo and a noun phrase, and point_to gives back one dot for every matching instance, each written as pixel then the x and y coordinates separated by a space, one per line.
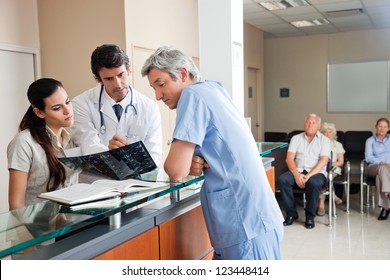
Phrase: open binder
pixel 101 190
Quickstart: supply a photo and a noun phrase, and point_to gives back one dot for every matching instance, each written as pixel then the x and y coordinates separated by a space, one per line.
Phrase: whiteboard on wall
pixel 358 87
pixel 18 68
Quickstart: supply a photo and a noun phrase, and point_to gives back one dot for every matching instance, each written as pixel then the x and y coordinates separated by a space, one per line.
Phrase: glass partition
pixel 266 148
pixel 35 225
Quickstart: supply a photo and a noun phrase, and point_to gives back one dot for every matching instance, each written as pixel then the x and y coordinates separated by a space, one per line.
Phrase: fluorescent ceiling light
pixel 273 5
pixel 344 13
pixel 281 4
pixel 297 3
pixel 302 23
pixel 306 23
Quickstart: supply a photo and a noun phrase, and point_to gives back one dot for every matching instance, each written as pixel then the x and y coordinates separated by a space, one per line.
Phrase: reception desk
pixel 164 224
pixel 134 228
pixel 270 152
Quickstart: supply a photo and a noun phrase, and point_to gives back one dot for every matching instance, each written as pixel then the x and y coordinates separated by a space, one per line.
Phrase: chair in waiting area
pixel 367 182
pixel 293 133
pixel 270 136
pixel 345 180
pixel 354 145
pixel 340 136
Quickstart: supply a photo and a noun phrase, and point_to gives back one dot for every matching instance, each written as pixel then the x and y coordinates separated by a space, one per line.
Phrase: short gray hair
pixel 171 60
pixel 314 115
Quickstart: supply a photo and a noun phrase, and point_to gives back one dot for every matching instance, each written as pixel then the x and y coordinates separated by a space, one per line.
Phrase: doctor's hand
pixel 197 166
pixel 116 142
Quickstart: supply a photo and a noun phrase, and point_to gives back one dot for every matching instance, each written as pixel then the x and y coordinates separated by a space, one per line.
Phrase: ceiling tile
pixel 303 16
pixel 294 11
pixel 322 29
pixel 376 3
pixel 265 21
pixel 339 6
pixel 376 14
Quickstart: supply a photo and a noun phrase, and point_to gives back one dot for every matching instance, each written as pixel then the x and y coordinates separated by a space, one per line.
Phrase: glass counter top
pixel 35 225
pixel 32 226
pixel 266 148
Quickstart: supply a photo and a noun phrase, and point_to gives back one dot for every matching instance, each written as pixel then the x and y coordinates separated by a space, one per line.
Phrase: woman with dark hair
pixel 32 154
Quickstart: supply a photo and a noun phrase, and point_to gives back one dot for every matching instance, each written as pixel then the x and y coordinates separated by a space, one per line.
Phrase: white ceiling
pixel 376 15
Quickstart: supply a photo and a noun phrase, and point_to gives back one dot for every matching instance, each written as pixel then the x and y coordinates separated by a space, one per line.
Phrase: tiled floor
pixel 353 236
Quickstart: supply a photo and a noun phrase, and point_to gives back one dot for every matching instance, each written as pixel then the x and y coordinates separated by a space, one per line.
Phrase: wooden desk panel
pixel 185 237
pixel 271 177
pixel 141 247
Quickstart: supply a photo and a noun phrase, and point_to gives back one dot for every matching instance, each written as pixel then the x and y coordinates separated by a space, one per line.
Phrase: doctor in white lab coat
pixel 96 127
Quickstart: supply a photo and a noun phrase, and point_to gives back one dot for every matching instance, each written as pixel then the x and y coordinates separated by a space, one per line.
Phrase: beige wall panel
pixel 149 25
pixel 19 23
pixel 154 23
pixel 70 30
pixel 254 60
pixel 363 46
pixel 299 63
pixel 140 56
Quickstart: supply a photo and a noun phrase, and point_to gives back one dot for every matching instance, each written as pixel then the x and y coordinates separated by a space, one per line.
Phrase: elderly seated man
pixel 307 157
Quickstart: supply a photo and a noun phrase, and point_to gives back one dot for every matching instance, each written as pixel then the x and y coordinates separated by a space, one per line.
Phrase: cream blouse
pixel 26 155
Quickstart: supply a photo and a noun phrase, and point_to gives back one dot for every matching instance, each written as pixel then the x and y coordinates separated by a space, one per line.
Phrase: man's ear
pixel 39 113
pixel 183 74
pixel 128 70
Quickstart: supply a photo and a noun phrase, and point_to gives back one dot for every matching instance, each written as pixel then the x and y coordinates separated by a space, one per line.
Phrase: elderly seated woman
pixel 338 151
pixel 377 156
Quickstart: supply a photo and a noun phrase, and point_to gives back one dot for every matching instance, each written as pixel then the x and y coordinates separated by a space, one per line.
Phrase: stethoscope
pixel 102 123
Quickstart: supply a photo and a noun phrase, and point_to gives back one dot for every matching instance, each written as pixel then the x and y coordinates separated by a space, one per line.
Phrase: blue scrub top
pixel 237 200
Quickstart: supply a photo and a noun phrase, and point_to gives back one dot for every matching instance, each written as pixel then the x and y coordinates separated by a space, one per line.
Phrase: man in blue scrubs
pixel 243 218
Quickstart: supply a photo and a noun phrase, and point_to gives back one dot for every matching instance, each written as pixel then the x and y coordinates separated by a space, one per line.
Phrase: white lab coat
pixel 145 125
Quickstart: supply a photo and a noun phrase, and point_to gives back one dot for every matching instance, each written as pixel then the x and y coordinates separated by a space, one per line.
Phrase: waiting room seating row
pixel 354 145
pixel 353 141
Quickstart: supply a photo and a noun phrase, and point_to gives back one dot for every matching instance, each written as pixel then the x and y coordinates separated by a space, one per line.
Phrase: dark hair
pixel 36 93
pixel 108 56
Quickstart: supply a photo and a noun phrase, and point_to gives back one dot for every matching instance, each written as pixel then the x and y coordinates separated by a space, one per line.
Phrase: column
pixel 221 45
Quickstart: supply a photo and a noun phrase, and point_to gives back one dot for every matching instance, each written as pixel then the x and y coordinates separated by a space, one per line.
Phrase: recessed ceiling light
pixel 281 4
pixel 297 3
pixel 302 23
pixel 344 13
pixel 306 23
